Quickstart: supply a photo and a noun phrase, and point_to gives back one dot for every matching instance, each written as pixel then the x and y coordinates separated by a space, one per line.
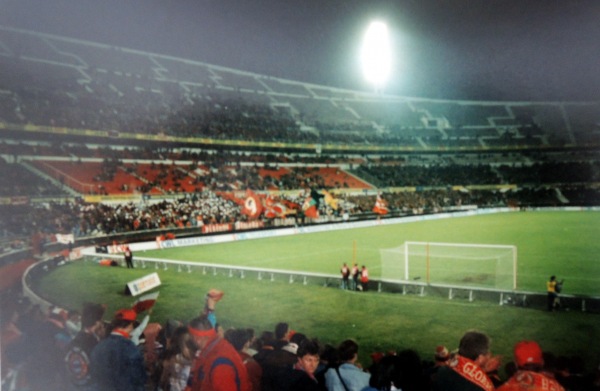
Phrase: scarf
pixel 471 371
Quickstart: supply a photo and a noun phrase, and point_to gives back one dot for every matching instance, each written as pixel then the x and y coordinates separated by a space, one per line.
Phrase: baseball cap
pixel 126 314
pixel 528 352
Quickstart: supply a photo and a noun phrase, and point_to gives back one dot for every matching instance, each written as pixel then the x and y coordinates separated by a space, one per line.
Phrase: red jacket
pixel 254 370
pixel 364 275
pixel 530 381
pixel 218 367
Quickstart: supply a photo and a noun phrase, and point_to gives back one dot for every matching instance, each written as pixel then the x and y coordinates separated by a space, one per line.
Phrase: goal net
pixel 468 265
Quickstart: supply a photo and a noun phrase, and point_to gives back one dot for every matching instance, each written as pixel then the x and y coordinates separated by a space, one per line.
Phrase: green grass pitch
pixel 561 243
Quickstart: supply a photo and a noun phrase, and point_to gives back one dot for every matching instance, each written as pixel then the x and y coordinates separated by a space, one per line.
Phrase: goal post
pixel 470 265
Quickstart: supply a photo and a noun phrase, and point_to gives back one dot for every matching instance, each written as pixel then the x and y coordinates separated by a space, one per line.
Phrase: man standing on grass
pixel 355 274
pixel 128 258
pixel 364 278
pixel 467 371
pixel 552 295
pixel 345 275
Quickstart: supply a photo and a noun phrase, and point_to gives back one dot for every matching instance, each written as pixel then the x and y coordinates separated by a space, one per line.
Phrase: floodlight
pixel 376 55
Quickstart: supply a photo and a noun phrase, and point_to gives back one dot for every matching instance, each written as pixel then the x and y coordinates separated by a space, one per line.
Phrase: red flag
pixel 252 205
pixel 380 206
pixel 269 201
pixel 274 208
pixel 145 302
pixel 291 206
pixel 310 208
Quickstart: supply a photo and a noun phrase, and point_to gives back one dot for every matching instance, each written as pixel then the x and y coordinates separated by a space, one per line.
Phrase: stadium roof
pixel 454 49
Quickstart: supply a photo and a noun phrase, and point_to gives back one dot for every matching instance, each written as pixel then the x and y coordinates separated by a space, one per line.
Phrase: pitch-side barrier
pixel 414 287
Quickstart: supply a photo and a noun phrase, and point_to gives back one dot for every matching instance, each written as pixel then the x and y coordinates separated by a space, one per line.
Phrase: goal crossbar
pixel 483 264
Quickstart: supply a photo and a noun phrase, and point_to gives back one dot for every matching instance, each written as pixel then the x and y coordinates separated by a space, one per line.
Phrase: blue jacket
pixel 117 364
pixel 355 378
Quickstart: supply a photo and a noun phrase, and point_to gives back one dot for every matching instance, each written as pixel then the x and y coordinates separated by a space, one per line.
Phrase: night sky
pixel 452 49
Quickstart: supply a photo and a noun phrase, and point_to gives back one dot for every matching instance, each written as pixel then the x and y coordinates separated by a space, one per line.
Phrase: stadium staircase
pixel 49 178
pixel 561 196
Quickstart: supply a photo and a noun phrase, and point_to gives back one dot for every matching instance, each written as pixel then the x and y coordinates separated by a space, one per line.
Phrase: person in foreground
pixel 116 363
pixel 400 371
pixel 529 376
pixel 300 376
pixel 217 366
pixel 468 370
pixel 347 376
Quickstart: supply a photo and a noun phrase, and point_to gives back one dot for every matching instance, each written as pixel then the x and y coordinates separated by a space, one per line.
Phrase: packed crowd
pixel 92 219
pixel 62 350
pixel 195 210
pixel 84 219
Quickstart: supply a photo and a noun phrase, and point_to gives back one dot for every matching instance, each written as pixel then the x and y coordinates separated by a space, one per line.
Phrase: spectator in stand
pixel 217 366
pixel 264 345
pixel 529 376
pixel 73 323
pixel 177 360
pixel 301 377
pixel 347 376
pixel 402 371
pixel 59 317
pixel 441 357
pixel 240 340
pixel 251 350
pixel 79 351
pixel 153 352
pixel 47 345
pixel 468 369
pixel 329 359
pixel 383 373
pixel 10 335
pixel 571 374
pixel 282 335
pixel 116 362
pixel 278 362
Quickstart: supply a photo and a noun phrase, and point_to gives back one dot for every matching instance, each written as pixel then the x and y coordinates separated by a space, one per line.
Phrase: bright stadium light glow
pixel 376 54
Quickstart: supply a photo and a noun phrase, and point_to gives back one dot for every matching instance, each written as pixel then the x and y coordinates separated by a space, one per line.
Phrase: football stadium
pixel 174 212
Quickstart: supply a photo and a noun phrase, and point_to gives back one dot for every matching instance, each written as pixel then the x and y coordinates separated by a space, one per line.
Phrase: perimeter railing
pixel 404 287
